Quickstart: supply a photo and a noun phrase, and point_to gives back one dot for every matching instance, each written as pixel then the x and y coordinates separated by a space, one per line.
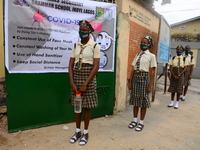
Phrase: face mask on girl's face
pixel 178 53
pixel 187 51
pixel 83 35
pixel 143 47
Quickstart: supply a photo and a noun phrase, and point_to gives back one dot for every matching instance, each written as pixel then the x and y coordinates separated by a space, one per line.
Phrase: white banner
pixel 39 34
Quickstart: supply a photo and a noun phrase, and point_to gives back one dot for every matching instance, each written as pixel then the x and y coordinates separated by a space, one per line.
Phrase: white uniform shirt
pixel 174 62
pixel 88 54
pixel 190 60
pixel 148 60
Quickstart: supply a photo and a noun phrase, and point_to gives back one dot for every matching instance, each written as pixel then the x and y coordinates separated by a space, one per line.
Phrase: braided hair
pixel 188 46
pixel 86 24
pixel 150 40
pixel 180 46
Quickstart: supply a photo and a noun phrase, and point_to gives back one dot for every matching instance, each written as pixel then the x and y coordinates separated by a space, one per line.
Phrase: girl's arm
pixel 71 74
pixel 191 71
pixel 170 69
pixel 131 78
pixel 151 74
pixel 92 74
pixel 182 72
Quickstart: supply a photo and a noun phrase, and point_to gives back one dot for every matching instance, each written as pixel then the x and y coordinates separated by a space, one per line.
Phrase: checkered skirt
pixel 89 98
pixel 186 76
pixel 176 86
pixel 139 96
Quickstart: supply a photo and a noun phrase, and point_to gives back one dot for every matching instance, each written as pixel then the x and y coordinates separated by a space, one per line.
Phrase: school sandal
pixel 139 127
pixel 75 137
pixel 84 139
pixel 132 125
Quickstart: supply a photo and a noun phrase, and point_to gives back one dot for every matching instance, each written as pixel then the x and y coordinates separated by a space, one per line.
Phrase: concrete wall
pixel 2 70
pixel 195 46
pixel 123 28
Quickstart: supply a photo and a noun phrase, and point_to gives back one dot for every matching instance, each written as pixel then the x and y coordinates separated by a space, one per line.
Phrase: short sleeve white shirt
pixel 88 54
pixel 191 60
pixel 174 62
pixel 147 61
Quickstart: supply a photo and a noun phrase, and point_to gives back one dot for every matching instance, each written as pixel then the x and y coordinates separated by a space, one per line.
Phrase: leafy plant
pixel 185 37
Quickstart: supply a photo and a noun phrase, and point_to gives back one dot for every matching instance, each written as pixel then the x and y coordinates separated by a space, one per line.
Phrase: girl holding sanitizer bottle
pixel 83 67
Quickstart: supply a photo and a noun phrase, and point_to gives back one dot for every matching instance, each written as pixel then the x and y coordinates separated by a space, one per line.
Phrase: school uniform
pixel 176 86
pixel 139 96
pixel 191 62
pixel 84 55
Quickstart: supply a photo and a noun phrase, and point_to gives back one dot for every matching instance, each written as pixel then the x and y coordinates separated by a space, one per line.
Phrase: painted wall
pixel 141 15
pixel 123 28
pixel 191 27
pixel 2 71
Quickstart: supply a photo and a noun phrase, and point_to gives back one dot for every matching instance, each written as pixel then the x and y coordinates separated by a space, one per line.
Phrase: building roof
pixel 185 21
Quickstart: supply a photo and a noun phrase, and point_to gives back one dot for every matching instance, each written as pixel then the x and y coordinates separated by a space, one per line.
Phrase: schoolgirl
pixel 178 66
pixel 83 67
pixel 188 72
pixel 143 69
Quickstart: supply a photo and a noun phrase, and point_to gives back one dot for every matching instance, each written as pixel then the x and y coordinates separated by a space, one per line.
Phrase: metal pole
pixel 154 86
pixel 165 83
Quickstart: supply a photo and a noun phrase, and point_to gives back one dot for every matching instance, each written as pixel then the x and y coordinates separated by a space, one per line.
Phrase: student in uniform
pixel 83 67
pixel 178 66
pixel 141 82
pixel 188 72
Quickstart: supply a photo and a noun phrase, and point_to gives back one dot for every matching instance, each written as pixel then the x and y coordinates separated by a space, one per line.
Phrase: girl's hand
pixel 176 77
pixel 83 88
pixel 75 89
pixel 130 85
pixel 149 88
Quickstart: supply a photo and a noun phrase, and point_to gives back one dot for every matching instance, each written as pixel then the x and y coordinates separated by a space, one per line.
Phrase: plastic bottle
pixel 78 103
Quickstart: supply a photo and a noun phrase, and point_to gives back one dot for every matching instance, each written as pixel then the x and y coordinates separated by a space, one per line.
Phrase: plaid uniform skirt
pixel 176 86
pixel 89 98
pixel 139 96
pixel 186 76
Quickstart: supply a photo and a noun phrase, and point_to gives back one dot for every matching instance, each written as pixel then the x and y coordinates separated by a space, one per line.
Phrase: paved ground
pixel 165 129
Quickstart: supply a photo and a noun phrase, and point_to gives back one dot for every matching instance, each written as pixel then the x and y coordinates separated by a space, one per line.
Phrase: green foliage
pixel 185 37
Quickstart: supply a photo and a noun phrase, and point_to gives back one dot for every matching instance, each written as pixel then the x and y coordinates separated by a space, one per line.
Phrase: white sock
pixel 176 104
pixel 85 131
pixel 172 103
pixel 183 97
pixel 78 130
pixel 141 122
pixel 135 119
